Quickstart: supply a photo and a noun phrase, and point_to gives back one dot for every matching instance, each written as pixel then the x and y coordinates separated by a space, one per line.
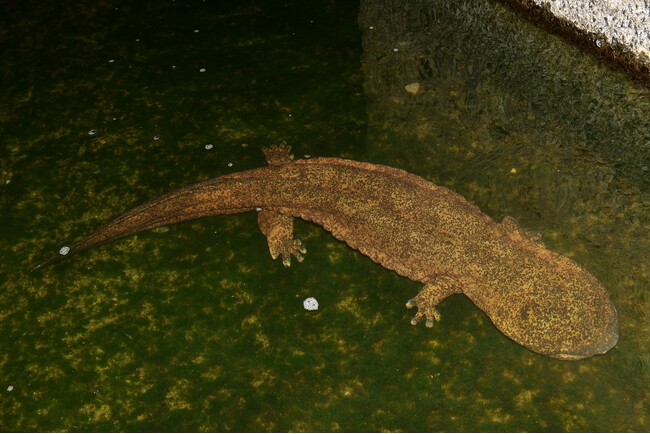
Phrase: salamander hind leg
pixel 429 297
pixel 278 230
pixel 276 227
pixel 277 154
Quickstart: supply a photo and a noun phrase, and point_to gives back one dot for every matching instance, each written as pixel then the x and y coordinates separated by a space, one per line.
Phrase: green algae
pixel 194 327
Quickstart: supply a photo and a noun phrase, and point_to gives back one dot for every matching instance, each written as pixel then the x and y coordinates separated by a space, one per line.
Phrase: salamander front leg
pixel 429 297
pixel 278 229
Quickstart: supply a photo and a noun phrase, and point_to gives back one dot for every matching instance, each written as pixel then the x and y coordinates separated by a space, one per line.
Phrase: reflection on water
pixel 523 125
pixel 194 327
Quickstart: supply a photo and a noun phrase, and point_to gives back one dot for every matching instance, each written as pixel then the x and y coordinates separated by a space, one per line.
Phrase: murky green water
pixel 194 327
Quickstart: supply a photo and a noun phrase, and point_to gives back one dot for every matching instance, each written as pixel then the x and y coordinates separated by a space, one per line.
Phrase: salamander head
pixel 561 311
pixel 548 303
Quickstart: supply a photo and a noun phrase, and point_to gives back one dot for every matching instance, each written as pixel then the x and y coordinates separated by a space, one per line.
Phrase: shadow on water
pixel 194 327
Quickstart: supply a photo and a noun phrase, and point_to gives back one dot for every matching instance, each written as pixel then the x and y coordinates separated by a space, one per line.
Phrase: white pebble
pixel 202 70
pixel 156 138
pixel 111 61
pixel 258 209
pixel 10 388
pixel 209 146
pixel 229 164
pixel 310 304
pixel 64 250
pixel 395 50
pixel 412 88
pixel 92 132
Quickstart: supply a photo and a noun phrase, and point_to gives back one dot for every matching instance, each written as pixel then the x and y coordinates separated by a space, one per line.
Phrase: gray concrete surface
pixel 621 22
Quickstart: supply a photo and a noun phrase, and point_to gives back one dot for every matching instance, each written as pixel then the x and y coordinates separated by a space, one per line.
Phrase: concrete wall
pixel 621 22
pixel 619 28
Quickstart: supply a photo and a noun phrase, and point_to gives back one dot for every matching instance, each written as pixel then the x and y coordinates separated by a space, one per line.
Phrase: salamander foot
pixel 429 297
pixel 425 310
pixel 287 249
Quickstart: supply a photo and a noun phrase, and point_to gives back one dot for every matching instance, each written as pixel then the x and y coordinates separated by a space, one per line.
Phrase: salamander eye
pixel 529 312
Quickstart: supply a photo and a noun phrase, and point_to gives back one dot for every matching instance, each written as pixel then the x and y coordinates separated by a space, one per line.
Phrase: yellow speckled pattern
pixel 537 298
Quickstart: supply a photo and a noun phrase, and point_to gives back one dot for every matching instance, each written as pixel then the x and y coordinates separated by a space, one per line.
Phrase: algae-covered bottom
pixel 193 327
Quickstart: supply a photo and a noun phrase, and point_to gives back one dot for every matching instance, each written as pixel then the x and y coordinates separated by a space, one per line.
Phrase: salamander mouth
pixel 600 347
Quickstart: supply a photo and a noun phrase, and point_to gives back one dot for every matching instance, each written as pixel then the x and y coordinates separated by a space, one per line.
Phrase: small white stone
pixel 64 250
pixel 209 146
pixel 92 132
pixel 258 209
pixel 412 88
pixel 196 31
pixel 202 70
pixel 310 304
pixel 156 138
pixel 229 164
pixel 111 61
pixel 395 50
pixel 10 388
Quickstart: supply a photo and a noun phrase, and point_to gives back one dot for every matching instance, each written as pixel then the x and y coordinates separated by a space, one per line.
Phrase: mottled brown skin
pixel 537 298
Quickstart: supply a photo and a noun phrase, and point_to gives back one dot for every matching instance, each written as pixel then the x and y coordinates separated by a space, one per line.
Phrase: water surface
pixel 194 327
